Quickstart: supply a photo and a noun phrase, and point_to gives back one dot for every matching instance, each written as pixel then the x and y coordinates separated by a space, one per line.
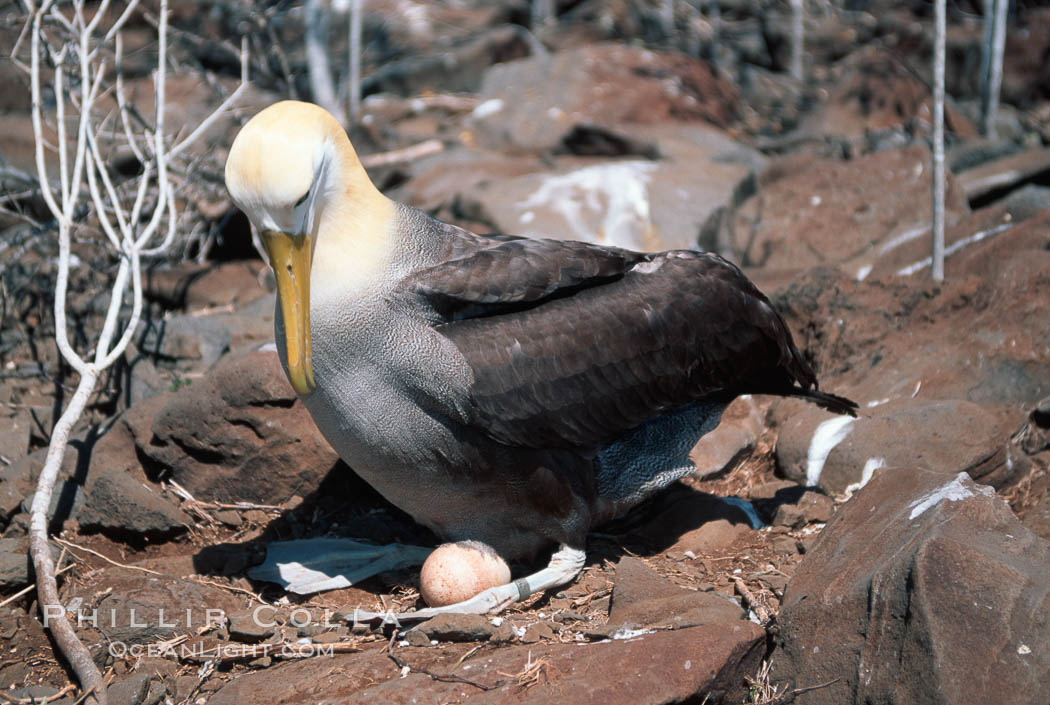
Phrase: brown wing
pixel 572 344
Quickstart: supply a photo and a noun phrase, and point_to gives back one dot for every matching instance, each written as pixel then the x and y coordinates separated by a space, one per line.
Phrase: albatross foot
pixel 564 566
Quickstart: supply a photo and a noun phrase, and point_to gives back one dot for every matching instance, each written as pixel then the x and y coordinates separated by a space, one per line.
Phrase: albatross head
pixel 291 169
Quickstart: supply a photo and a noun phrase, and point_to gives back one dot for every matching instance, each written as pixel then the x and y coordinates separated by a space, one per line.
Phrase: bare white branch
pixel 119 23
pixel 122 103
pixel 100 204
pixel 797 39
pixel 321 83
pixel 38 129
pixel 992 64
pixel 542 13
pixel 223 107
pixel 114 199
pixel 140 196
pixel 63 145
pixel 104 361
pixel 354 69
pixel 47 590
pixel 940 28
pixel 77 84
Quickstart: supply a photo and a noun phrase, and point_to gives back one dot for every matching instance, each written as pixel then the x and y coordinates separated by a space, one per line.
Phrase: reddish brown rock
pixel 722 449
pixel 949 436
pixel 678 512
pixel 980 336
pixel 543 97
pixel 638 203
pixel 140 608
pixel 710 537
pixel 874 91
pixel 642 598
pixel 923 588
pixel 239 433
pixel 811 508
pixel 1024 60
pixel 662 667
pixel 117 495
pixel 458 627
pixel 1004 173
pixel 100 484
pixel 905 251
pixel 809 212
pixel 196 286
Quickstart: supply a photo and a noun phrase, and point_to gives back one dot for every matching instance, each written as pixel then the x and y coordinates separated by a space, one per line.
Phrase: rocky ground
pixel 899 557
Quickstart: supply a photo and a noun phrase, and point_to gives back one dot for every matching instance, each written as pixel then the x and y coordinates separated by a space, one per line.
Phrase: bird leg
pixel 565 564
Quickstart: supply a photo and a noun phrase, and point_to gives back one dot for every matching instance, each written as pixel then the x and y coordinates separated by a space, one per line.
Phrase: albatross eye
pixel 302 200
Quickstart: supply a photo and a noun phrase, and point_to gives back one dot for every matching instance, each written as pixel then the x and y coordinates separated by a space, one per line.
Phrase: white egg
pixel 458 571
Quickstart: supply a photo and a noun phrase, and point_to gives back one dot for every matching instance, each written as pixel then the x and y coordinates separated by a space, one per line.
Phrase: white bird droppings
pixel 1023 650
pixel 687 665
pixel 625 633
pixel 488 108
pixel 870 467
pixel 617 195
pixel 953 492
pixel 828 435
pixel 953 248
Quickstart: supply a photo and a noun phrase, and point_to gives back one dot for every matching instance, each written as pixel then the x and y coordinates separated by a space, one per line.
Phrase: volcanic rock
pixel 238 433
pixel 720 450
pixel 809 212
pixel 1004 173
pixel 875 91
pixel 129 691
pixel 951 436
pixel 677 513
pixel 980 336
pixel 637 203
pixel 247 625
pixel 196 286
pixel 199 340
pixel 811 507
pixel 532 104
pixel 642 598
pixel 668 666
pixel 456 69
pixel 904 575
pixel 142 608
pixel 15 564
pixel 118 496
pixel 457 627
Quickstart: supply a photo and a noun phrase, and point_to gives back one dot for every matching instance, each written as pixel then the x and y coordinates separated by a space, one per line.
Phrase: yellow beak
pixel 290 257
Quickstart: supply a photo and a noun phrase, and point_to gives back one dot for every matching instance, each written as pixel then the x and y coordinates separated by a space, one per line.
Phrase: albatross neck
pixel 355 232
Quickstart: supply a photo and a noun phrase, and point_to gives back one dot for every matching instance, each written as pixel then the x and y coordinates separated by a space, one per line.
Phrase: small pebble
pixel 415 637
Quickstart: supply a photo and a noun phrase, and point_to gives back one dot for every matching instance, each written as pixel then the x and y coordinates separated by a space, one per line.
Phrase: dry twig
pixel 93 552
pixel 445 678
pixel 69 688
pixel 396 156
pixel 29 588
pixel 750 601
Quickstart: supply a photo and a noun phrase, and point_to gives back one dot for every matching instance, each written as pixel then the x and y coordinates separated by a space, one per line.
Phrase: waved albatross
pixel 509 390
